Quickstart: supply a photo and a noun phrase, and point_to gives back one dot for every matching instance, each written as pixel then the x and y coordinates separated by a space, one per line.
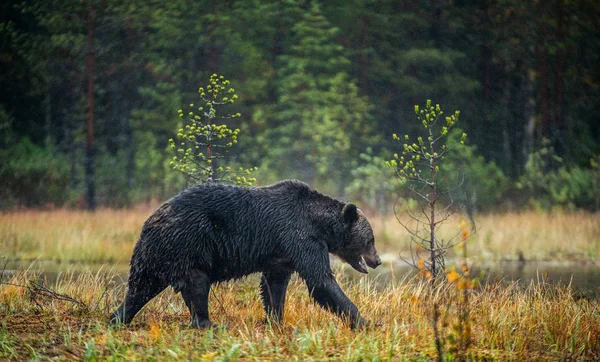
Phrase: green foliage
pixel 158 178
pixel 428 70
pixel 111 189
pixel 550 183
pixel 371 184
pixel 418 170
pixel 33 176
pixel 6 133
pixel 342 128
pixel 320 120
pixel 424 154
pixel 202 144
pixel 484 183
pixel 323 80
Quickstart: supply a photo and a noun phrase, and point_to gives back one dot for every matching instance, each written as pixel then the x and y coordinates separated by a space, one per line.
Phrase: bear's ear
pixel 350 213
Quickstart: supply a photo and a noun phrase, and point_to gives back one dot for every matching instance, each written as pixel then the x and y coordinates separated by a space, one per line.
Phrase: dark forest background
pixel 90 92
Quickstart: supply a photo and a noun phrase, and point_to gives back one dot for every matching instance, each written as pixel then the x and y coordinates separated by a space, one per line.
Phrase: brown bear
pixel 212 233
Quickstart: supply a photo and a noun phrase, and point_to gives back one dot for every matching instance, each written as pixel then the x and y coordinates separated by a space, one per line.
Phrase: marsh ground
pixel 507 321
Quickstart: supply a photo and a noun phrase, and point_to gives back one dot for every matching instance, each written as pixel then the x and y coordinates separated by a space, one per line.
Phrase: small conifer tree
pixel 203 144
pixel 417 168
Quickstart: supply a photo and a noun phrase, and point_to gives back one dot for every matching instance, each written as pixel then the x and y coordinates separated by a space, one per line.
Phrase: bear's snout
pixel 373 261
pixel 377 261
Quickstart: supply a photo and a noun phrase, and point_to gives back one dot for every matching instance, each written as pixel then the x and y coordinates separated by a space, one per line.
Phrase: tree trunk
pixel 529 115
pixel 90 151
pixel 559 77
pixel 363 60
pixel 543 80
pixel 436 22
pixel 485 52
pixel 130 103
pixel 131 152
pixel 506 116
pixel 48 118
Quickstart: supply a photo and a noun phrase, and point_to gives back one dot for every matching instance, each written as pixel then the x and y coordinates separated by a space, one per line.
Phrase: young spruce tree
pixel 418 169
pixel 203 144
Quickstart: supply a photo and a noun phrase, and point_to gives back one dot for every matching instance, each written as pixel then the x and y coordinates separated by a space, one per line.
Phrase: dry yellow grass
pixel 538 236
pixel 64 235
pixel 508 322
pixel 109 235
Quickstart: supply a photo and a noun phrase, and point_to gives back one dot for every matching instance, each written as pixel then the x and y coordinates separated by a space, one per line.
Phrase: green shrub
pixel 33 176
pixel 371 183
pixel 484 182
pixel 548 183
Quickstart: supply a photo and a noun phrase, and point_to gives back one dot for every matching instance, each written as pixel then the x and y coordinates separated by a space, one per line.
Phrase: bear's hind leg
pixel 137 297
pixel 195 294
pixel 273 287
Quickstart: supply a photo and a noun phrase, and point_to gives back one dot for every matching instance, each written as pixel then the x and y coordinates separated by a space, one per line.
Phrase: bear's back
pixel 213 196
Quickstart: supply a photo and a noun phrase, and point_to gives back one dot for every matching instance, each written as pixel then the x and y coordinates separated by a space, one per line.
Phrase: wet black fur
pixel 212 233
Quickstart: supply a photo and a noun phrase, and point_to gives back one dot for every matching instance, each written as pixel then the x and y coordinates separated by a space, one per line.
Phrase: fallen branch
pixel 37 290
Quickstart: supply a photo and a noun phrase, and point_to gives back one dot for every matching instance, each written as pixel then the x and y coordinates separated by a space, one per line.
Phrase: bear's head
pixel 358 245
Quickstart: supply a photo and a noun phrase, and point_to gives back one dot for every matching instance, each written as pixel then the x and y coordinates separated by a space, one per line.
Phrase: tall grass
pixel 109 235
pixel 515 322
pixel 532 235
pixel 62 235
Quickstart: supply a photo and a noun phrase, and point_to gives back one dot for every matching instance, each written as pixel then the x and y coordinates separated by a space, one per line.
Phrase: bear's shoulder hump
pixel 290 185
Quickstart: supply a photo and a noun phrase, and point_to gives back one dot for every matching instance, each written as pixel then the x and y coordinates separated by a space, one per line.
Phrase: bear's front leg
pixel 273 287
pixel 330 296
pixel 323 287
pixel 195 294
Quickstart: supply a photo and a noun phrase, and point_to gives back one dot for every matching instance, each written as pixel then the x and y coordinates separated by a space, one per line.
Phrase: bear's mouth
pixel 359 265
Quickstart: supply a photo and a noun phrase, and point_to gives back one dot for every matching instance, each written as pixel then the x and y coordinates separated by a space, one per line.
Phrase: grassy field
pixel 537 236
pixel 507 322
pixel 109 235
